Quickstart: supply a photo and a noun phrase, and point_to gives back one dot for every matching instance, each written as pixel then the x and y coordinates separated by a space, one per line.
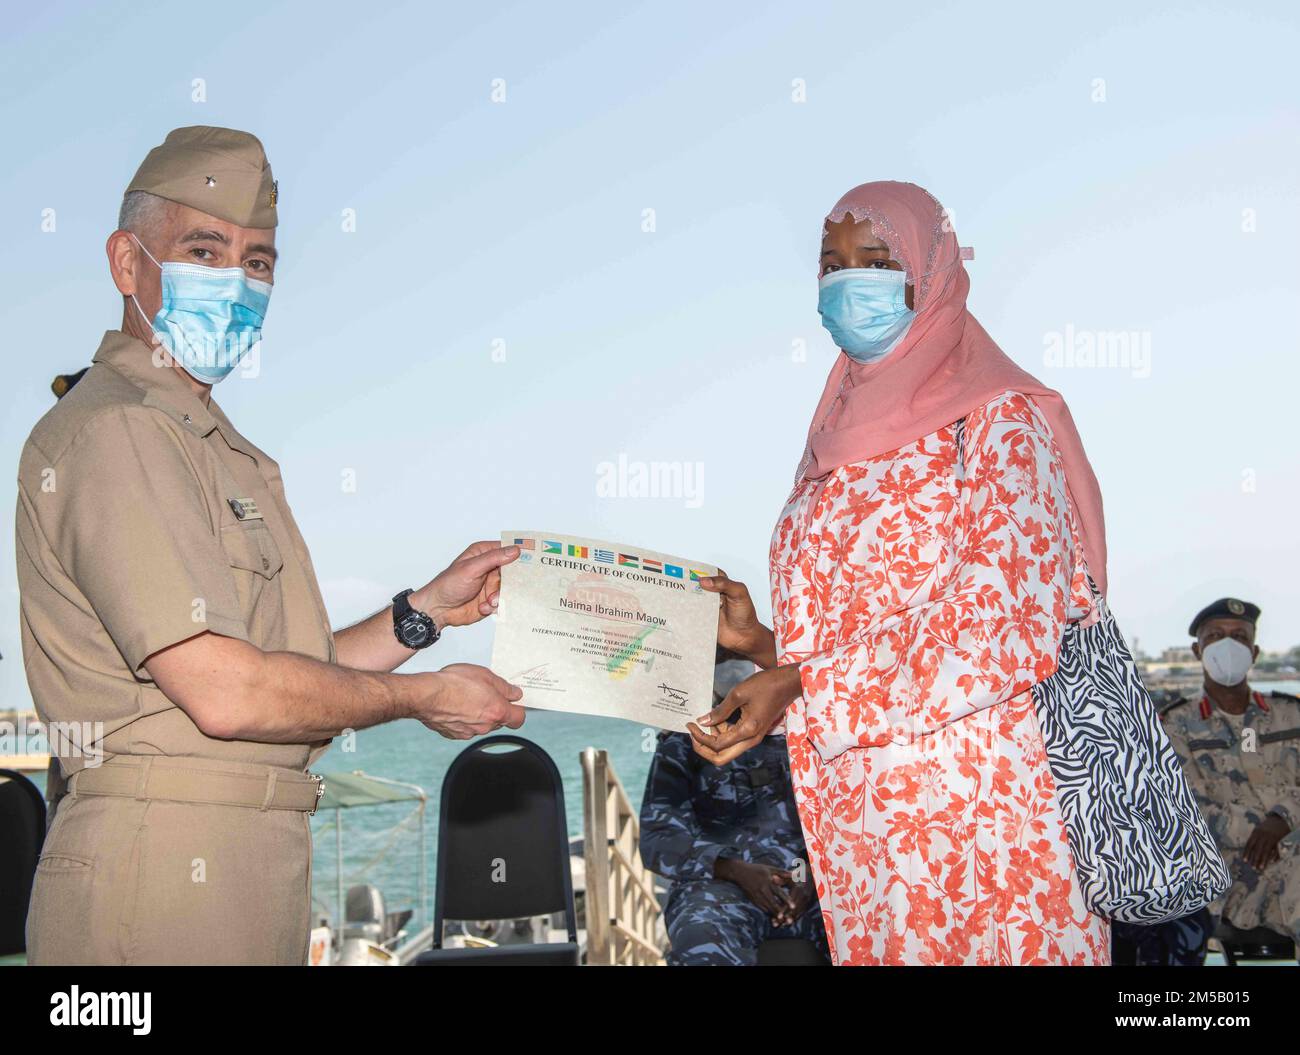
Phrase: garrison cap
pixel 219 171
pixel 1225 608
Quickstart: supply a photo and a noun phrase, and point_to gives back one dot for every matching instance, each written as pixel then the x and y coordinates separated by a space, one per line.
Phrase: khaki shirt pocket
pixel 255 563
pixel 250 547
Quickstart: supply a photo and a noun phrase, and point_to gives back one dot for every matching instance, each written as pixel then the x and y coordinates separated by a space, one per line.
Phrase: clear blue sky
pixel 522 222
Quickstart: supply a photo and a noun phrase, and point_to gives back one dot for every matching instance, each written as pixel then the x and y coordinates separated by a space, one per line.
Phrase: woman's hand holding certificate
pixel 759 701
pixel 739 629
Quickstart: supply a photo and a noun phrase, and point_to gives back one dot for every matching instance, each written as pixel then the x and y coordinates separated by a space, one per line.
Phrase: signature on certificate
pixel 675 695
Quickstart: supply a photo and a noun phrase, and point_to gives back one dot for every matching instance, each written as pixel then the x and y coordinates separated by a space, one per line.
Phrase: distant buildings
pixel 1178 670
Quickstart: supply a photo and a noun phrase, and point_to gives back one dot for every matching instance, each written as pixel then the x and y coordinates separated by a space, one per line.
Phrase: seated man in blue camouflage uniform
pixel 729 839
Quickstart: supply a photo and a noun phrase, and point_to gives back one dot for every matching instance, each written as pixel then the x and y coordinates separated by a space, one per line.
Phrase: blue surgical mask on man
pixel 210 316
pixel 865 310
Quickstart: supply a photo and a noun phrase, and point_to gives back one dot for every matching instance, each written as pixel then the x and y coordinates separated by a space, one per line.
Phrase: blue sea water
pixel 407 751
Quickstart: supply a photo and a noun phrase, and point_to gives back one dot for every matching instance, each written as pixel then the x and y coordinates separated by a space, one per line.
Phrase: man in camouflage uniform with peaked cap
pixel 1240 749
pixel 729 839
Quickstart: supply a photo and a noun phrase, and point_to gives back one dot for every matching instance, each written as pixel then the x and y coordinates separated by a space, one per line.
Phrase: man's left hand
pixel 468 590
pixel 1261 848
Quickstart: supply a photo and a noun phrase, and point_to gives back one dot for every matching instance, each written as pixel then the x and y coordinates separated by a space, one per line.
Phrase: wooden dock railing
pixel 622 911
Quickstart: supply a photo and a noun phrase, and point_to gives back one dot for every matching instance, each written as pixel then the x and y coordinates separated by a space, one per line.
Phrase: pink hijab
pixel 946 367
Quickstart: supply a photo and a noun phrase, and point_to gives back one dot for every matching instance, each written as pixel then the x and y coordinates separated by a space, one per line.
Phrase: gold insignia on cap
pixel 275 191
pixel 1236 607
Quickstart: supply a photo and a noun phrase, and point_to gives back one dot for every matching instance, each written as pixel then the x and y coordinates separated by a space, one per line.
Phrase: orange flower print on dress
pixel 922 604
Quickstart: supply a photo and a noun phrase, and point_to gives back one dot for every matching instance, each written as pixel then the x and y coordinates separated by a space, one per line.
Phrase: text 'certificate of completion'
pixel 598 628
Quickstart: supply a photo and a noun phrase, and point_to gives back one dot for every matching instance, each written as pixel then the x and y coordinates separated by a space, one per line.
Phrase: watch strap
pixel 402 606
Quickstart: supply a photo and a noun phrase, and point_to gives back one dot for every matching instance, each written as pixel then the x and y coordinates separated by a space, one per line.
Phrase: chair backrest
pixel 503 839
pixel 22 831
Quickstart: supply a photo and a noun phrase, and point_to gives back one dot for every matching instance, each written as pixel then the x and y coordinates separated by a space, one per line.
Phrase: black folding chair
pixel 22 831
pixel 503 852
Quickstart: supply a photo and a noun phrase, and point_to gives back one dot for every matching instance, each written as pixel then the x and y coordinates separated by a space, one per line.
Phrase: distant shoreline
pixel 1195 681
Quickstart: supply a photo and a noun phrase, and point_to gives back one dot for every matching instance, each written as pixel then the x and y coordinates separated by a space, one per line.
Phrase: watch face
pixel 417 630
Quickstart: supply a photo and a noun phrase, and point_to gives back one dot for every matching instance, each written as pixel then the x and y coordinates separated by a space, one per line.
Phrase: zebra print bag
pixel 1141 848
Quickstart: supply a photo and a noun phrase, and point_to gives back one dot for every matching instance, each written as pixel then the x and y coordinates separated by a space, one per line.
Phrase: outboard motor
pixel 364 930
pixel 364 914
pixel 368 928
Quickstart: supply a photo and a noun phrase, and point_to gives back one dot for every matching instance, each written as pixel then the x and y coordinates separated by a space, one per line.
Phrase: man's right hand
pixel 466 700
pixel 1261 848
pixel 764 885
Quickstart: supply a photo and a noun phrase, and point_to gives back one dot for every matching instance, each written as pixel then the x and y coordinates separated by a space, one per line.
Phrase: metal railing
pixel 621 908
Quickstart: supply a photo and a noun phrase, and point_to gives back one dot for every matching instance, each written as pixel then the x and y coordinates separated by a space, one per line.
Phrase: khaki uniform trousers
pixel 176 861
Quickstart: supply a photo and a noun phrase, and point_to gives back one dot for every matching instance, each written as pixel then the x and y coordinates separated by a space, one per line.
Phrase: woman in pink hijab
pixel 941 533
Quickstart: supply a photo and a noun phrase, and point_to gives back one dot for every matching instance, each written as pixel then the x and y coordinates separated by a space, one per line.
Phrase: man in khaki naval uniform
pixel 1240 749
pixel 169 603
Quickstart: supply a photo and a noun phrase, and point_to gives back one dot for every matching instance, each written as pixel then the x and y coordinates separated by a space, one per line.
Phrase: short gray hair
pixel 141 212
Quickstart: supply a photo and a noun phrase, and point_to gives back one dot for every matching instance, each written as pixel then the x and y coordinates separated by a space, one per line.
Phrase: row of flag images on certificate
pixel 606 556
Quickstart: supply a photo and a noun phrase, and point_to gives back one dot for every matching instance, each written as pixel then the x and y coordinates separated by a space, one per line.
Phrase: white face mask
pixel 1227 661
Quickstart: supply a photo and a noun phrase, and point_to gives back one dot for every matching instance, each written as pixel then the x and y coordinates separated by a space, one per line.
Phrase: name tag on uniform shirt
pixel 244 509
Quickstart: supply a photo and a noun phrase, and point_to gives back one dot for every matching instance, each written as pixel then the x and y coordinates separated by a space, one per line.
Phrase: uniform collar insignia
pixel 164 387
pixel 1257 698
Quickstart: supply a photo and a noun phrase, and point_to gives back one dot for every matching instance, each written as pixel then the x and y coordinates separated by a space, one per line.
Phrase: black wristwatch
pixel 414 629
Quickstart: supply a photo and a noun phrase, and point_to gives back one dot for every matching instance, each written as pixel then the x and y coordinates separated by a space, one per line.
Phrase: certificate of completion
pixel 599 628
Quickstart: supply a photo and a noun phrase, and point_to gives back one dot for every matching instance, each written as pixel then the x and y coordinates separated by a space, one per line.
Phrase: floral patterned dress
pixel 922 596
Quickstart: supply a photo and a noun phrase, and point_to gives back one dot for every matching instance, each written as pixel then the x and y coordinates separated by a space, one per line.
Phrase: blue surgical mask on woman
pixel 210 316
pixel 865 310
